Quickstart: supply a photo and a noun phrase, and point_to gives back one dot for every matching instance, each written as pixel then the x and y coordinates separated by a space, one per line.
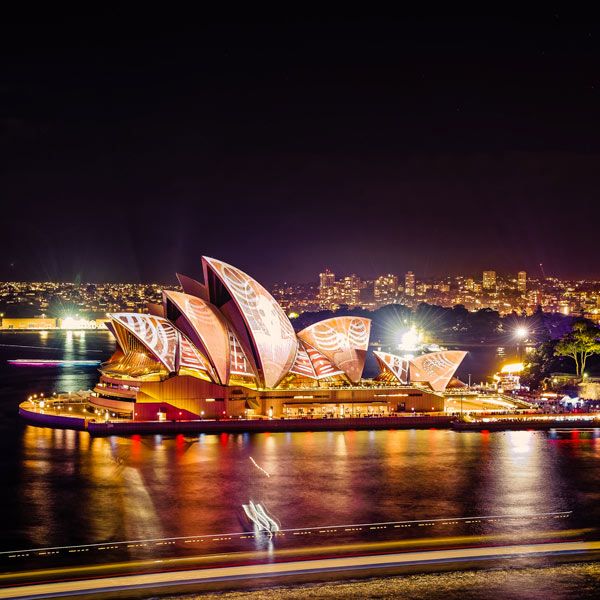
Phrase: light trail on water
pixel 46 348
pixel 329 528
pixel 259 467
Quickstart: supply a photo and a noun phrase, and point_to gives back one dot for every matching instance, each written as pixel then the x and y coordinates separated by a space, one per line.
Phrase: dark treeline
pixel 450 325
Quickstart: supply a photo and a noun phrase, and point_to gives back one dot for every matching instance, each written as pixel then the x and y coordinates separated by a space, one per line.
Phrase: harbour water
pixel 65 488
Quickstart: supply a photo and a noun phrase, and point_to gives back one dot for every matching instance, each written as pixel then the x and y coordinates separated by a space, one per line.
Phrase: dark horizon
pixel 442 148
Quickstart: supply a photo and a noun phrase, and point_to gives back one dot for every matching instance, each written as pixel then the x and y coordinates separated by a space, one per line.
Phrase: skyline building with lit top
pixel 409 284
pixel 489 280
pixel 385 289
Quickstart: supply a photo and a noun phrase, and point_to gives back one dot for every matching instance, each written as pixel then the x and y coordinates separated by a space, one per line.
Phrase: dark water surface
pixel 65 488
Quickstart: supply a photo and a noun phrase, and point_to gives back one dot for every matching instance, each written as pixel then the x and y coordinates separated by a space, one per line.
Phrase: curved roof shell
pixel 311 363
pixel 268 328
pixel 436 368
pixel 343 340
pixel 207 328
pixel 157 334
pixel 192 287
pixel 191 358
pixel 239 364
pixel 397 366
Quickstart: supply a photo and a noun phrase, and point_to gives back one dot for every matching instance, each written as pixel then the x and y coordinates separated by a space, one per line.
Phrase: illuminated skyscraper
pixel 489 280
pixel 522 282
pixel 409 284
pixel 386 288
pixel 349 290
pixel 326 289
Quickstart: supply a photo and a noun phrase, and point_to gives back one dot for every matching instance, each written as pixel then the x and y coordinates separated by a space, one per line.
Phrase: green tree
pixel 541 363
pixel 579 344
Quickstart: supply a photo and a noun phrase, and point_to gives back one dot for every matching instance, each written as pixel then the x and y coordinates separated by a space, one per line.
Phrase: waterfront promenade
pixel 107 581
pixel 72 414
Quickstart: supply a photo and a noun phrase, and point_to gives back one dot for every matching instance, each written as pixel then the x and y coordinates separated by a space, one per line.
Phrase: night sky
pixel 283 149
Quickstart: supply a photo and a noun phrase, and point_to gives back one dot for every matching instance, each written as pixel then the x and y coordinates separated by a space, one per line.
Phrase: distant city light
pixel 521 332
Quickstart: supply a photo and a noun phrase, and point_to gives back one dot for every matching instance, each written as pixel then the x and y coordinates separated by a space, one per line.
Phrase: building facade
pixel 409 284
pixel 224 348
pixel 489 280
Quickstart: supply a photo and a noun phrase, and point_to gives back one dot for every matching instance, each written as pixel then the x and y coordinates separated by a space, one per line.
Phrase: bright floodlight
pixel 521 332
pixel 410 340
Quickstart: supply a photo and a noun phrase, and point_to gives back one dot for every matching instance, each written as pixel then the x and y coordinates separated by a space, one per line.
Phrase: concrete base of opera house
pixel 188 398
pixel 76 417
pixel 59 419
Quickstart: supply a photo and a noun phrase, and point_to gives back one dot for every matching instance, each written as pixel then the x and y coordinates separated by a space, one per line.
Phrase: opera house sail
pixel 224 348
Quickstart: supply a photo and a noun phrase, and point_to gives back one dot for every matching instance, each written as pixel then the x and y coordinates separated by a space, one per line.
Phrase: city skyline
pixel 537 273
pixel 329 291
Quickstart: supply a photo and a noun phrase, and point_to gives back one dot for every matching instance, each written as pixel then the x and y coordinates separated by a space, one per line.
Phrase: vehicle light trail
pixel 294 567
pixel 302 553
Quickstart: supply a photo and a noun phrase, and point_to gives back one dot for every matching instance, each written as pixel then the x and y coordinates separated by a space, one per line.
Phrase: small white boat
pixel 254 516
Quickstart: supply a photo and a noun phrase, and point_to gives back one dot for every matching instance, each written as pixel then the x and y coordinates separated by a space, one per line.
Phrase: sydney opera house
pixel 224 348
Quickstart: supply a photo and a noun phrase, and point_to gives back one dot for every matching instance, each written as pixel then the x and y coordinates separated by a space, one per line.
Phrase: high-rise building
pixel 348 290
pixel 522 282
pixel 326 289
pixel 489 280
pixel 385 288
pixel 409 284
pixel 327 279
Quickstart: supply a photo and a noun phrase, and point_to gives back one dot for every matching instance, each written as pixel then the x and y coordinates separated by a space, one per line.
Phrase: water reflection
pixel 76 489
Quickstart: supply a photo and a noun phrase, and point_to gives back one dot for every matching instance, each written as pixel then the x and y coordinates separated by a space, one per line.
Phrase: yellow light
pixel 512 368
pixel 293 315
pixel 521 332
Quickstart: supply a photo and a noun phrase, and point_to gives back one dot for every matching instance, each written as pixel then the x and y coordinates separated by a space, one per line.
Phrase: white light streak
pixel 258 467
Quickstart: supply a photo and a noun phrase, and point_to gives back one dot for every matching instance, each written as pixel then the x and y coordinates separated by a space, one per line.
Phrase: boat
pixel 254 517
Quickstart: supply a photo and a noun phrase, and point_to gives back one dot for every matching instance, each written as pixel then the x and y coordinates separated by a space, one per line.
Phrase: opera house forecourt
pixel 224 348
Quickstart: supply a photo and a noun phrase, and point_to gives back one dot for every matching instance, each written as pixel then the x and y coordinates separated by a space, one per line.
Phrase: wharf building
pixel 224 348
